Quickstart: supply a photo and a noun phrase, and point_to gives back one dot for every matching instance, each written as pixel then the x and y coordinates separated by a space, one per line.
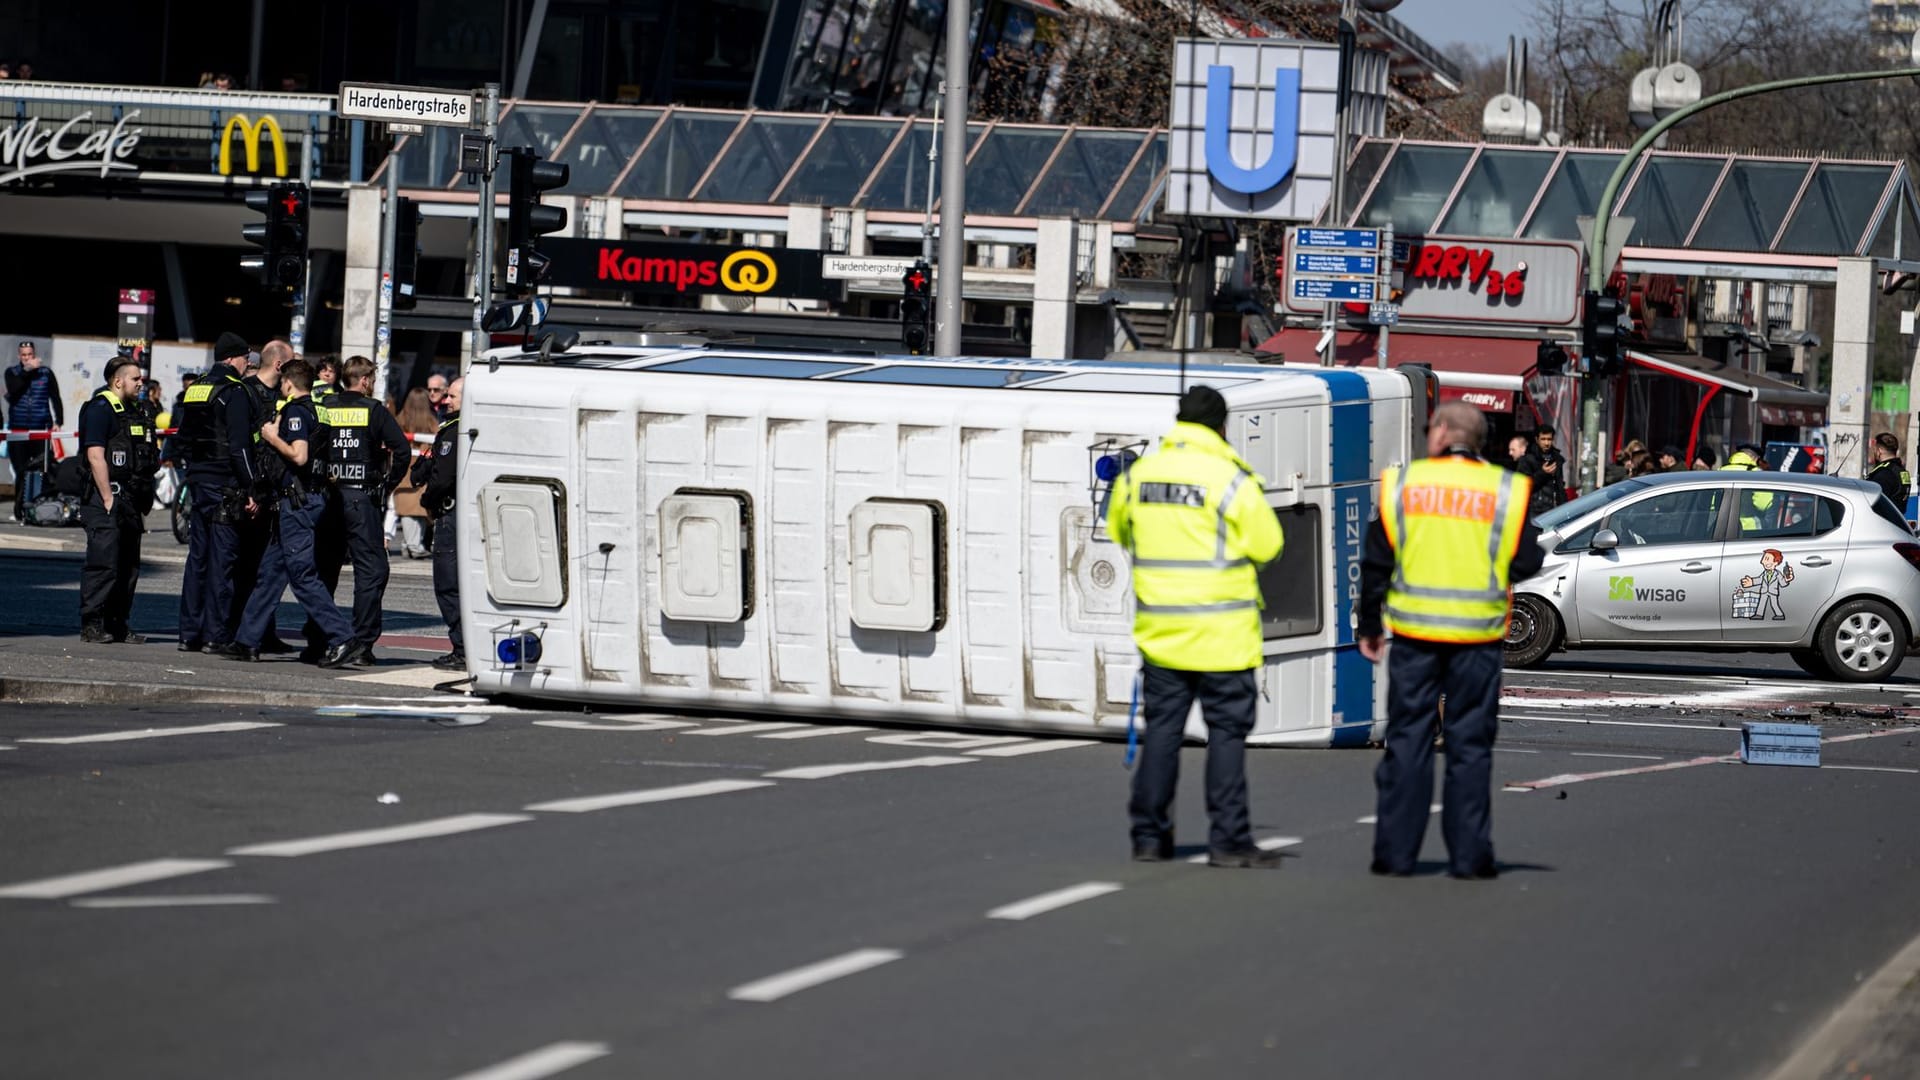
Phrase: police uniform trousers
pixel 367 547
pixel 1227 704
pixel 1418 672
pixel 112 566
pixel 446 577
pixel 253 535
pixel 329 552
pixel 206 593
pixel 289 561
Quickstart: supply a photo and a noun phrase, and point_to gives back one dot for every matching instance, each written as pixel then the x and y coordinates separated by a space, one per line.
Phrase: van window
pixel 1291 588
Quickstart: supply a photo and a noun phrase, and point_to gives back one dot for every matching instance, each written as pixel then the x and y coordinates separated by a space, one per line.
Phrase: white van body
pixel 818 535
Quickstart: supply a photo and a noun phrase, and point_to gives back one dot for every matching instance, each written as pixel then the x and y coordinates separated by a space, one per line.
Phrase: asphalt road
pixel 965 910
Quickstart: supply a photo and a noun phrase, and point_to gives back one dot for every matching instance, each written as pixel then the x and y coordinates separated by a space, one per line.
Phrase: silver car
pixel 1821 568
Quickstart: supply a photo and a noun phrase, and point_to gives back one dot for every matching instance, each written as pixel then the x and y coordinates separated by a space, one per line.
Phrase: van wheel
pixel 1532 632
pixel 1810 661
pixel 1862 641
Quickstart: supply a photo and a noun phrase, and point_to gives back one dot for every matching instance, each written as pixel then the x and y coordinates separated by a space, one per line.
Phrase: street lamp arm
pixel 1597 246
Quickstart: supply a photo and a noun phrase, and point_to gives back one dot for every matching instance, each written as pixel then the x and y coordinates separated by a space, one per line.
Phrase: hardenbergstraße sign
pixel 864 267
pixel 407 104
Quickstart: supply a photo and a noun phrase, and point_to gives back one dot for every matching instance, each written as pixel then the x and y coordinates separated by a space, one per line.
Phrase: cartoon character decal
pixel 1757 597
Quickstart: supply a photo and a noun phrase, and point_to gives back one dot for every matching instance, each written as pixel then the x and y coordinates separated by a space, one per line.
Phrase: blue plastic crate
pixel 1780 744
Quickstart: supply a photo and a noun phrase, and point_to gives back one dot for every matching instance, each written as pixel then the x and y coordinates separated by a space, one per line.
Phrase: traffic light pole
pixel 483 234
pixel 1594 399
pixel 953 181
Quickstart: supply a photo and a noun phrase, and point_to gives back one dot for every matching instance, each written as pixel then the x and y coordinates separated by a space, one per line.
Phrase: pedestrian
pixel 366 455
pixel 289 556
pixel 1890 472
pixel 406 518
pixel 1517 449
pixel 440 488
pixel 1641 464
pixel 330 531
pixel 33 404
pixel 1704 459
pixel 223 474
pixel 1622 466
pixel 437 395
pixel 117 441
pixel 256 532
pixel 1195 522
pixel 1670 458
pixel 1544 466
pixel 1754 503
pixel 1451 538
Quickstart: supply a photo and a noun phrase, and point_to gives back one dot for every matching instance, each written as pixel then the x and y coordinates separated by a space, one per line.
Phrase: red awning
pixel 1443 352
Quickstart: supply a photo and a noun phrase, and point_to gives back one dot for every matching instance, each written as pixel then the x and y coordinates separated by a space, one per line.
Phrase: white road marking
pixel 775 987
pixel 1838 738
pixel 1564 779
pixel 1372 819
pixel 637 723
pixel 591 803
pixel 745 729
pixel 1512 750
pixel 1036 747
pixel 1618 723
pixel 1872 768
pixel 419 677
pixel 9 748
pixel 946 740
pixel 1271 843
pixel 1052 901
pixel 154 733
pixel 546 1061
pixel 1625 757
pixel 113 877
pixel 814 733
pixel 419 830
pixel 823 772
pixel 212 900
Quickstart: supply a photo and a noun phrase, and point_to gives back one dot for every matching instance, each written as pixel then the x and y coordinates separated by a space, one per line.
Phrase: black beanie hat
pixel 1203 405
pixel 230 345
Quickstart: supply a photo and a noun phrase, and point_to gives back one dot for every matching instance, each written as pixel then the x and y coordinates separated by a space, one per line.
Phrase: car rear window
pixel 1884 507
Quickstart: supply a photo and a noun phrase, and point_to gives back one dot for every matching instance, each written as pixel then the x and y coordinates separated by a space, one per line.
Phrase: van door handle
pixel 1816 560
pixel 1695 568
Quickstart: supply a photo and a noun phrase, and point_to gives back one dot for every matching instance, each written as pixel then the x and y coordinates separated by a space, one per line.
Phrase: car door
pixel 1782 560
pixel 1660 582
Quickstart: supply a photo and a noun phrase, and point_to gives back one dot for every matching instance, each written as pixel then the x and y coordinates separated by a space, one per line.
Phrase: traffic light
pixel 406 251
pixel 1600 334
pixel 916 309
pixel 282 235
pixel 1550 358
pixel 528 218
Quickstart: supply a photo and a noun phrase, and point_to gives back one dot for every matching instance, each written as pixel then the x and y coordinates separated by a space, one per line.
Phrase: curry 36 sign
pixel 656 267
pixel 1469 281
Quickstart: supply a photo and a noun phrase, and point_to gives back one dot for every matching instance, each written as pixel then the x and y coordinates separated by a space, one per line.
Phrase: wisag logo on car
pixel 1621 588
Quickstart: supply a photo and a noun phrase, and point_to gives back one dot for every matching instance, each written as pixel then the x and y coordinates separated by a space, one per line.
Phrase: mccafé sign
pixel 685 269
pixel 32 146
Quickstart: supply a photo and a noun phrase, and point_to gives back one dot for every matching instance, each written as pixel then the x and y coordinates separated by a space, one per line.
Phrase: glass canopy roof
pixel 707 155
pixel 1709 202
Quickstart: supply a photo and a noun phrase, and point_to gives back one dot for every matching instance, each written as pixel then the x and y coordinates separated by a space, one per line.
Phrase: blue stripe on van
pixel 1353 675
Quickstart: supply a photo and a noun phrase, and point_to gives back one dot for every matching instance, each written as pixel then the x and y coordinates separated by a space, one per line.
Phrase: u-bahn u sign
pixel 688 269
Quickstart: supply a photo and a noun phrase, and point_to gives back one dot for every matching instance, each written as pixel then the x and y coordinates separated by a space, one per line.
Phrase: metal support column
pixel 953 185
pixel 383 308
pixel 483 231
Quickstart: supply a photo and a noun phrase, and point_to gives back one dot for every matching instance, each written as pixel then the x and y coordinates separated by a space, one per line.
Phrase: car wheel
pixel 1862 641
pixel 1532 632
pixel 1811 662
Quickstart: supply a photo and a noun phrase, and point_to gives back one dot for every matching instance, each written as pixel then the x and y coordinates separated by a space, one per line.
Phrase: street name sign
pixel 1313 262
pixel 864 267
pixel 1339 239
pixel 1333 289
pixel 408 104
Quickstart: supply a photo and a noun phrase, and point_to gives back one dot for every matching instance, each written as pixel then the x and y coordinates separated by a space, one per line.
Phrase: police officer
pixel 330 531
pixel 218 445
pixel 256 532
pixel 118 444
pixel 1889 471
pixel 1451 538
pixel 367 455
pixel 1195 521
pixel 440 482
pixel 289 556
pixel 1753 504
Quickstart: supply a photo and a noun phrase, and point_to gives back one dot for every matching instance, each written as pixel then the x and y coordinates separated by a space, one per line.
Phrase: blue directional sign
pixel 1339 239
pixel 1308 262
pixel 1331 289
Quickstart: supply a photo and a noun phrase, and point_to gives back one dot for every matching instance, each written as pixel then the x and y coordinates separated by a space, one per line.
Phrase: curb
pixel 28 690
pixel 1825 1052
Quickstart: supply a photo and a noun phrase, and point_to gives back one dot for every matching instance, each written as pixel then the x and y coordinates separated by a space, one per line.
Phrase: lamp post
pixel 1593 411
pixel 1342 129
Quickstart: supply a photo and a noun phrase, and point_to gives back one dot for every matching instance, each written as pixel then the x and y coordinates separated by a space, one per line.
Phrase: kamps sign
pixel 1253 121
